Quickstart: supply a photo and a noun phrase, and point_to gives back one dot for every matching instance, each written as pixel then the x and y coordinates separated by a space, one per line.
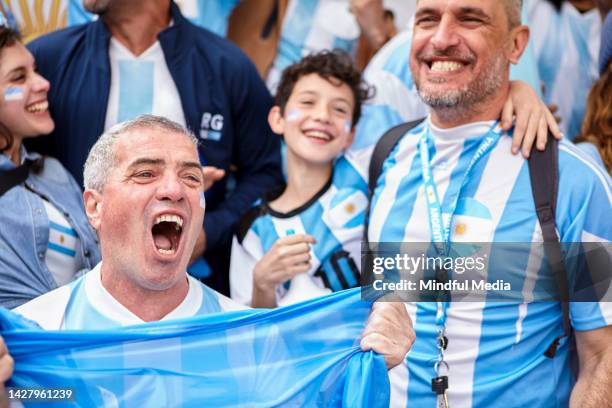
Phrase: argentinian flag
pixel 346 209
pixel 303 355
pixel 472 222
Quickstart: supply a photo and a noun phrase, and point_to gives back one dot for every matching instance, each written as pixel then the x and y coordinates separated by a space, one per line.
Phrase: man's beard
pixel 472 93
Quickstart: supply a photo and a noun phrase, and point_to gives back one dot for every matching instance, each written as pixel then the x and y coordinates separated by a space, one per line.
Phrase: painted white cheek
pixel 202 200
pixel 13 94
pixel 347 126
pixel 293 115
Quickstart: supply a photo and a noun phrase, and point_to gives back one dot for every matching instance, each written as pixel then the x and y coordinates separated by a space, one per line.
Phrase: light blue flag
pixel 303 355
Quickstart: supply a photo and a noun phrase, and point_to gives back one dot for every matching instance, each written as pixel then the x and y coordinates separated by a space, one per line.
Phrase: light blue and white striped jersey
pixel 311 26
pixel 334 216
pixel 210 14
pixel 495 350
pixel 397 100
pixel 141 85
pixel 566 45
pixel 86 305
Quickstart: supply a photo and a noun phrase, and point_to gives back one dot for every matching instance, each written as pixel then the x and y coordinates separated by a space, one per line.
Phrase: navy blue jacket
pixel 224 100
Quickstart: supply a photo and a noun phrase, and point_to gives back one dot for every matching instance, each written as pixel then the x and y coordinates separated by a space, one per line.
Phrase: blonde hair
pixel 597 124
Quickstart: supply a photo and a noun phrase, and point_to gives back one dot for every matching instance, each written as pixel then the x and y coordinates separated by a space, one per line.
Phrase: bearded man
pixel 450 179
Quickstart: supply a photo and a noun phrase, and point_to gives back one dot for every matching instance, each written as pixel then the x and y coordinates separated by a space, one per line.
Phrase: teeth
pixel 318 135
pixel 170 218
pixel 166 251
pixel 38 107
pixel 445 66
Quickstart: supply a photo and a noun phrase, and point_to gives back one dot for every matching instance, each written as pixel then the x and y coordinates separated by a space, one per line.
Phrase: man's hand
pixel 211 175
pixel 370 15
pixel 6 370
pixel 533 119
pixel 389 332
pixel 595 371
pixel 288 257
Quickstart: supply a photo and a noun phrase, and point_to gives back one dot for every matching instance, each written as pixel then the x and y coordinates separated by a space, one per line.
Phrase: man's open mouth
pixel 167 231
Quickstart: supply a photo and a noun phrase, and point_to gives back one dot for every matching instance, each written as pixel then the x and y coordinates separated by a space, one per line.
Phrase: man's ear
pixel 93 207
pixel 276 120
pixel 519 37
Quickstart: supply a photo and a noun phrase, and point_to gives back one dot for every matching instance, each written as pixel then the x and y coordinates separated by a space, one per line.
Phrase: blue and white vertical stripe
pixel 310 26
pixel 566 45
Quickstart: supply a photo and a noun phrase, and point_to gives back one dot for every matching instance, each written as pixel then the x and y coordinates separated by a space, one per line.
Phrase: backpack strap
pixel 11 178
pixel 544 175
pixel 381 151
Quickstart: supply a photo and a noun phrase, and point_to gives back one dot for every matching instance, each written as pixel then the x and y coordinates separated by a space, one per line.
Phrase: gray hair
pixel 102 156
pixel 514 11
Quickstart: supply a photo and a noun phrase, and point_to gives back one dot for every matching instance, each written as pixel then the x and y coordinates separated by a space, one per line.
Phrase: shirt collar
pixel 6 163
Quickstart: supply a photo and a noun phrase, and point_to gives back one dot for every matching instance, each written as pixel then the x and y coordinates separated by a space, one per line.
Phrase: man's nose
pixel 170 188
pixel 445 34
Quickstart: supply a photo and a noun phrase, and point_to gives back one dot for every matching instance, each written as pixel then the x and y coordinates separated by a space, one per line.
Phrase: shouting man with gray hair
pixel 449 180
pixel 146 202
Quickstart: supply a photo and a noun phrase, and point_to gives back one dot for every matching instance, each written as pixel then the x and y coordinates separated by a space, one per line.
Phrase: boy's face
pixel 317 122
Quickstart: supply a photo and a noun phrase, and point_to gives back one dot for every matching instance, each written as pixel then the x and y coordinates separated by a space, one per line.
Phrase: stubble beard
pixel 468 98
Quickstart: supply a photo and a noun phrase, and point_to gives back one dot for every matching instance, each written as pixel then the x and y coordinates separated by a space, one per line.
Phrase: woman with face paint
pixel 45 239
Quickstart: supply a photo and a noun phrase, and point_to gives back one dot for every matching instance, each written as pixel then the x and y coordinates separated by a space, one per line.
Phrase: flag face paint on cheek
pixel 13 94
pixel 347 126
pixel 293 114
pixel 202 200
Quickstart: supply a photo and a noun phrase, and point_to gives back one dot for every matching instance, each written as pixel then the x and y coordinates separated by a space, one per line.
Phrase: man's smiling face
pixel 457 56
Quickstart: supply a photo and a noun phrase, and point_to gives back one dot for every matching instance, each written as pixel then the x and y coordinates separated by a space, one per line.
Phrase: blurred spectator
pixel 596 136
pixel 566 37
pixel 34 18
pixel 145 57
pixel 310 26
pixel 45 239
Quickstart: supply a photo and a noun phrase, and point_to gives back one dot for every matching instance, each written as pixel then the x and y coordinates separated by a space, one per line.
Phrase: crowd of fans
pixel 284 214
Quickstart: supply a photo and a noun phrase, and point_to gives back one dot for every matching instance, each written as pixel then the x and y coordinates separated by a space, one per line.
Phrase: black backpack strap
pixel 381 151
pixel 11 178
pixel 544 175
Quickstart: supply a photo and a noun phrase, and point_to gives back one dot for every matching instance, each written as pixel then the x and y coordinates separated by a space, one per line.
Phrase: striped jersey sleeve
pixel 583 216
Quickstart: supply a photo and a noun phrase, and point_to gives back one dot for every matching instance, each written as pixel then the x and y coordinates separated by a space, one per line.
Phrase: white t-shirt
pixel 86 305
pixel 140 85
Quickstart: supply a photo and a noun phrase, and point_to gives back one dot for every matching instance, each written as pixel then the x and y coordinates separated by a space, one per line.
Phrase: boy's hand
pixel 288 257
pixel 389 332
pixel 533 119
pixel 6 370
pixel 211 175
